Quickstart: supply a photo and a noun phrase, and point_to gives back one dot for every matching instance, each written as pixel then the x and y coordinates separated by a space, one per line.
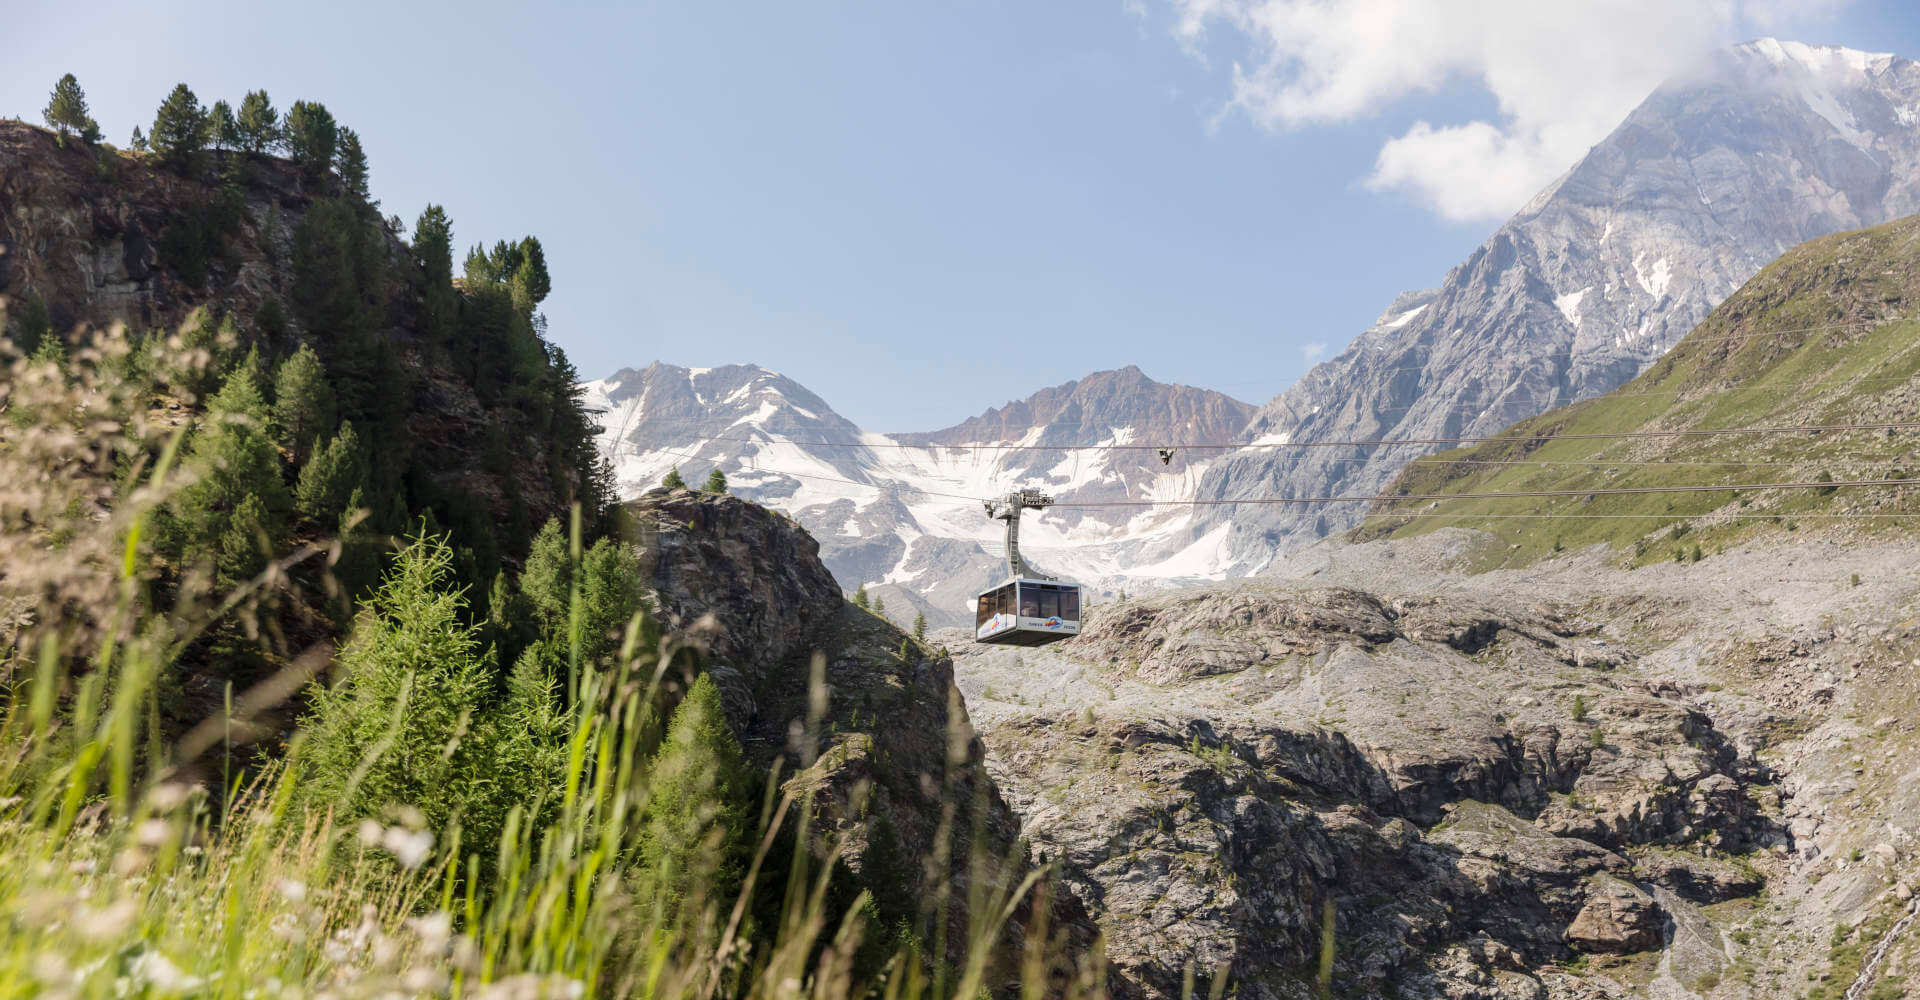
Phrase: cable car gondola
pixel 1031 608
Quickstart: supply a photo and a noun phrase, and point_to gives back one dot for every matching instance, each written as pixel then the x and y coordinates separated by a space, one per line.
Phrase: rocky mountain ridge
pixel 1823 336
pixel 901 513
pixel 1718 172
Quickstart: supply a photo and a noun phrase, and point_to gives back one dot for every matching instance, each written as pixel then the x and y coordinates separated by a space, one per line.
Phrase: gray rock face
pixel 1617 917
pixel 896 512
pixel 1208 768
pixel 892 744
pixel 1714 175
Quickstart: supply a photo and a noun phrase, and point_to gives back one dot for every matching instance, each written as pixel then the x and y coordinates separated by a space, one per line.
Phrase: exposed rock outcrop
pixel 887 749
pixel 1208 768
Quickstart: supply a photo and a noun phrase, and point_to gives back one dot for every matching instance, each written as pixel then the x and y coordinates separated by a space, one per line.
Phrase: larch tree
pixel 330 478
pixel 258 122
pixel 716 482
pixel 66 111
pixel 223 127
pixel 312 138
pixel 433 253
pixel 413 675
pixel 531 282
pixel 303 405
pixel 673 480
pixel 180 128
pixel 351 161
pixel 694 831
pixel 235 453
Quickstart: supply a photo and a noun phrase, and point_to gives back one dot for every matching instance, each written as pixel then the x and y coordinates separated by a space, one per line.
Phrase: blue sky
pixel 920 210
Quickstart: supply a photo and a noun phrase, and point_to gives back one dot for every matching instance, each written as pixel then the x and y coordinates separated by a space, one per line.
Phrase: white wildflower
pixel 434 930
pixel 410 847
pixel 107 922
pixel 154 970
pixel 168 797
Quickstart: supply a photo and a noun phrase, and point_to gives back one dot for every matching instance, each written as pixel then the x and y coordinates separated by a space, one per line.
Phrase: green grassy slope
pixel 1827 334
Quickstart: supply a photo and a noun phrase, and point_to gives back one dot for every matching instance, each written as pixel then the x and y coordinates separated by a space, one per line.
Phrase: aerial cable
pixel 1600 491
pixel 1377 442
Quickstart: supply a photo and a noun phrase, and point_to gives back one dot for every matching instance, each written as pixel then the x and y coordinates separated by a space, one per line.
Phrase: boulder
pixel 1617 918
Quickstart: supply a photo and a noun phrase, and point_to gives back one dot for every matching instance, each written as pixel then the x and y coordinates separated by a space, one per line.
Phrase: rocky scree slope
pixel 1717 173
pixel 896 512
pixel 1482 790
pixel 1824 336
pixel 889 754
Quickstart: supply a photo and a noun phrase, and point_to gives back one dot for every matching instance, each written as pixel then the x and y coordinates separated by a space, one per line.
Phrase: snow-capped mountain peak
pixel 901 513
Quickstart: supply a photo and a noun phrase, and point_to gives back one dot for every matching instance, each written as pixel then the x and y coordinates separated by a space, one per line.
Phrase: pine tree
pixel 673 480
pixel 259 123
pixel 860 597
pixel 222 128
pixel 433 252
pixel 879 605
pixel 312 137
pixel 330 478
pixel 351 161
pixel 66 111
pixel 139 142
pixel 716 482
pixel 303 405
pixel 180 128
pixel 920 627
pixel 694 831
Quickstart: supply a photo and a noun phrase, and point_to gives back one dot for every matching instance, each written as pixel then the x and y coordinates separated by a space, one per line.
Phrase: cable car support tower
pixel 1008 509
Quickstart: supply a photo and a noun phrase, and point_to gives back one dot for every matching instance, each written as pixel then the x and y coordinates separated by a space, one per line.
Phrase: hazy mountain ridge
pixel 900 513
pixel 1772 143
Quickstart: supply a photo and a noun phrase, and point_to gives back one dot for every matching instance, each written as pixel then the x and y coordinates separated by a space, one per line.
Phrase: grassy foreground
pixel 136 865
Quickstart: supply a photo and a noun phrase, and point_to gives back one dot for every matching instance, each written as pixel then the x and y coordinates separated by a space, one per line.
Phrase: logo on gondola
pixel 1050 623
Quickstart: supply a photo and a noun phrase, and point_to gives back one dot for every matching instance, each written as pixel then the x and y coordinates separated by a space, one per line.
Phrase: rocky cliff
pixel 92 237
pixel 887 750
pixel 1715 174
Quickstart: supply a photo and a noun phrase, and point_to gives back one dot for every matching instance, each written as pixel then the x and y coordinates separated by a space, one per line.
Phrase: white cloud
pixel 1563 73
pixel 1314 351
